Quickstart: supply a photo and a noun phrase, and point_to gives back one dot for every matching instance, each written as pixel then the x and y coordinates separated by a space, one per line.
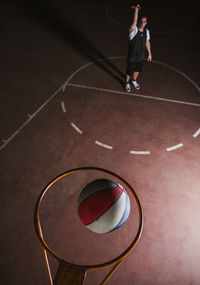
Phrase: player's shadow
pixel 49 15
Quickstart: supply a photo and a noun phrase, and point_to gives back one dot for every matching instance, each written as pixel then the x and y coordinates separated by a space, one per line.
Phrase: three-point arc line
pixel 196 133
pixel 104 145
pixel 63 107
pixel 174 147
pixel 67 82
pixel 76 128
pixel 96 142
pixel 109 146
pixel 140 152
pixel 135 152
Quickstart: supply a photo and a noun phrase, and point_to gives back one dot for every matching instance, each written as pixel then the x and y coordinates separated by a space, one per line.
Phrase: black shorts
pixel 134 67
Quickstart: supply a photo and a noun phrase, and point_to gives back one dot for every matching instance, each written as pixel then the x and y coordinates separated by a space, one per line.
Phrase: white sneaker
pixel 135 84
pixel 127 87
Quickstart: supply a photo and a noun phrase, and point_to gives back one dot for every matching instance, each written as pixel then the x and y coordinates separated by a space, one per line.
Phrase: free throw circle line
pixel 67 82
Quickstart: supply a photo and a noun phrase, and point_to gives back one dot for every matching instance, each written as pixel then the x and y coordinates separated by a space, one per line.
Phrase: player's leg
pixel 134 82
pixel 135 75
pixel 128 77
pixel 127 84
pixel 136 72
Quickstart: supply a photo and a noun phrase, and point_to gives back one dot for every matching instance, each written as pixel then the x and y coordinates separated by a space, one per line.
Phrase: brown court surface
pixel 62 68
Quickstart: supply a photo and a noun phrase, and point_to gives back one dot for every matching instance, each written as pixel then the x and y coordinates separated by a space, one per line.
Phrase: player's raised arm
pixel 135 18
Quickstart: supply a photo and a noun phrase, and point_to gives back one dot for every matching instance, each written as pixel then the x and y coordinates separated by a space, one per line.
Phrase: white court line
pixel 196 133
pixel 174 147
pixel 146 152
pixel 29 119
pixel 87 65
pixel 135 95
pixel 104 145
pixel 180 72
pixel 76 128
pixel 62 87
pixel 63 106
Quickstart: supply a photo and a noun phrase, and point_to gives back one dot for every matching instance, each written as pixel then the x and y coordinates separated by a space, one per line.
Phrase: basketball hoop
pixel 69 273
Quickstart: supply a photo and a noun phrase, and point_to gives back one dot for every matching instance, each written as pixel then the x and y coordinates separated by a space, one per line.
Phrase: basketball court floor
pixel 63 106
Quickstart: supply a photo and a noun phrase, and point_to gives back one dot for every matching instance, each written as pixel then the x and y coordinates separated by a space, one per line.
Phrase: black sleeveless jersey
pixel 137 47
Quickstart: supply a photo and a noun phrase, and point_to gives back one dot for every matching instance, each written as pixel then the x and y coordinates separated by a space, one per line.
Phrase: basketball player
pixel 139 40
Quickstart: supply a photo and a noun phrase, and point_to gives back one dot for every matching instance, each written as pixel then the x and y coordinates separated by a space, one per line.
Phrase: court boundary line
pixel 64 85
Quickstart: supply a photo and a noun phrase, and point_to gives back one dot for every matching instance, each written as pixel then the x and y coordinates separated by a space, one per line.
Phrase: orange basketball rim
pixel 72 274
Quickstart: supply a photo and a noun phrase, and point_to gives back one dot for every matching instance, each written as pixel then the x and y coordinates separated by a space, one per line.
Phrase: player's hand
pixel 137 7
pixel 149 58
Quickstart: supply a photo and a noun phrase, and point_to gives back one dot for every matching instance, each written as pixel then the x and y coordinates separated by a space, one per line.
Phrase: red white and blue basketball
pixel 103 206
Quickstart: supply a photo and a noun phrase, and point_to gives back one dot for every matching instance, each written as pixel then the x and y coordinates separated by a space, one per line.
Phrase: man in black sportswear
pixel 139 37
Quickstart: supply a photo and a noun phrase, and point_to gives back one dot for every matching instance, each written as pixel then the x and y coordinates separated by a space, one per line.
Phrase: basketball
pixel 103 206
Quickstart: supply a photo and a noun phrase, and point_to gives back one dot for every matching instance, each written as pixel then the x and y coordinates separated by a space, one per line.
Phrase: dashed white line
pixel 63 106
pixel 66 83
pixel 196 133
pixel 62 87
pixel 104 145
pixel 174 147
pixel 76 128
pixel 135 95
pixel 146 152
